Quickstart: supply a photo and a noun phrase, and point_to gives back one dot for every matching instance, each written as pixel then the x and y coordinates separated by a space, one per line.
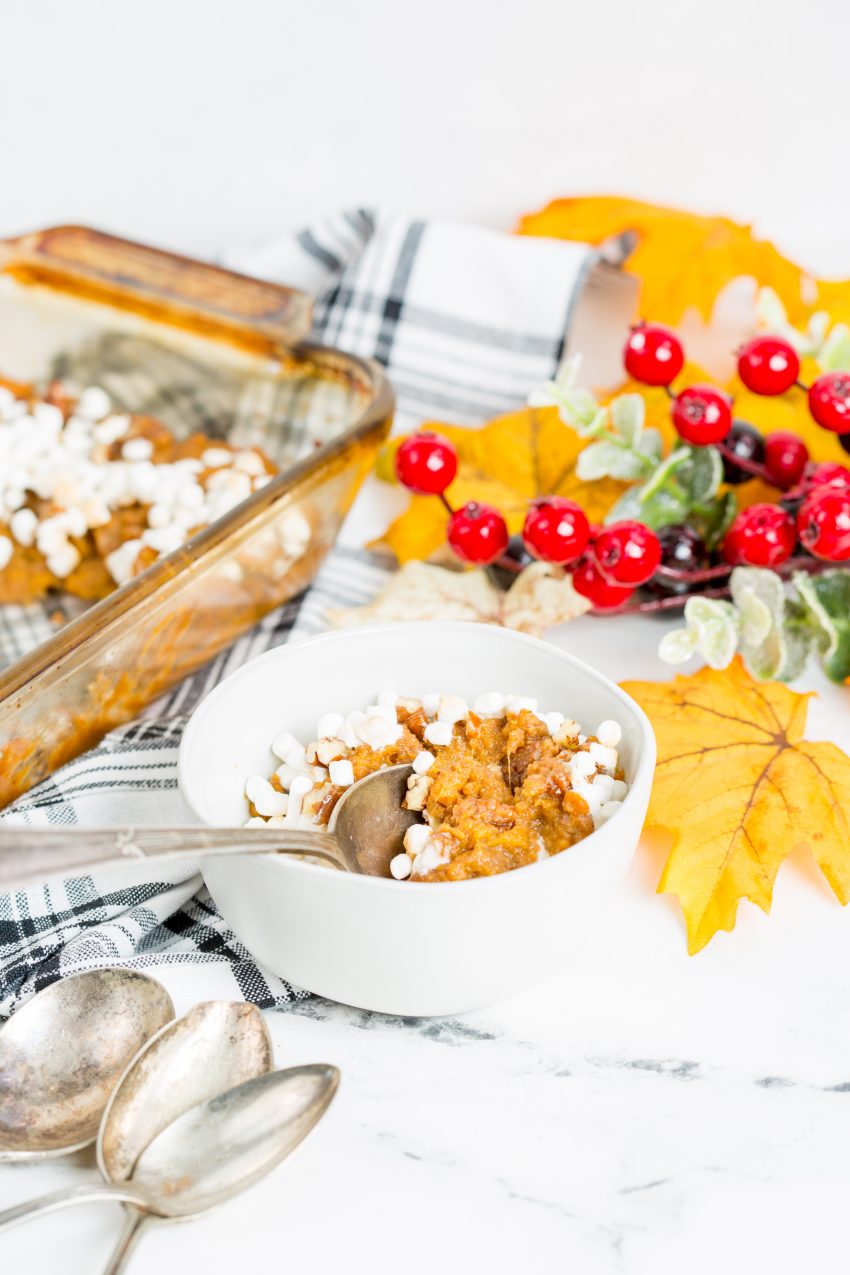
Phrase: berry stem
pixel 677 601
pixel 741 462
pixel 446 503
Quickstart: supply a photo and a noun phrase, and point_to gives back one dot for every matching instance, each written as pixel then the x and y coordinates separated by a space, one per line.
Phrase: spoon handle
pixel 28 855
pixel 127 1241
pixel 85 1193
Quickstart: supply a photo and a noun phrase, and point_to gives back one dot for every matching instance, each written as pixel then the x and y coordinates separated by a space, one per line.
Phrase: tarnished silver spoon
pixel 216 1046
pixel 214 1150
pixel 364 833
pixel 62 1053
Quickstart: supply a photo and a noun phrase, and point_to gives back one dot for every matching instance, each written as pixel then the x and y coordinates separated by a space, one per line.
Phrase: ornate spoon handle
pixel 29 855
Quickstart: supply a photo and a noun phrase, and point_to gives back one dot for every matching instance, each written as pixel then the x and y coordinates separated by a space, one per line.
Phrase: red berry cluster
pixel 608 564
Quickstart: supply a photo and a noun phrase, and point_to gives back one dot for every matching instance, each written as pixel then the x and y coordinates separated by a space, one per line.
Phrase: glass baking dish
pixel 202 349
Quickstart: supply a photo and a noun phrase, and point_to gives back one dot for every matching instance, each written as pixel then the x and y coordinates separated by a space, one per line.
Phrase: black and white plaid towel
pixel 466 321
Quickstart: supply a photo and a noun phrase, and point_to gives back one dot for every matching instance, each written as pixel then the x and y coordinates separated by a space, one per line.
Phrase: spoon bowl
pixel 62 1053
pixel 220 1148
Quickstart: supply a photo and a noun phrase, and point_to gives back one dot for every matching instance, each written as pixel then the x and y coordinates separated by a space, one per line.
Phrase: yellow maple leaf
pixel 739 788
pixel 683 259
pixel 506 463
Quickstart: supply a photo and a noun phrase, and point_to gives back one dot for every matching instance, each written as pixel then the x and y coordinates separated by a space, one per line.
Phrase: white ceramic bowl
pixel 436 948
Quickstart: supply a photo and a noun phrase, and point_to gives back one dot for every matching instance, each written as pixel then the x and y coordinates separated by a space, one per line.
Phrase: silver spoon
pixel 61 1055
pixel 365 832
pixel 213 1048
pixel 212 1151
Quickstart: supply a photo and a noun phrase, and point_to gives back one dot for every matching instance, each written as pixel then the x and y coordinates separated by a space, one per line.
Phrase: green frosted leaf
pixel 627 416
pixel 665 471
pixel 834 354
pixel 715 624
pixel 700 474
pixel 827 601
pixel 627 507
pixel 661 508
pixel 678 646
pixel 756 619
pixel 762 584
pixel 608 460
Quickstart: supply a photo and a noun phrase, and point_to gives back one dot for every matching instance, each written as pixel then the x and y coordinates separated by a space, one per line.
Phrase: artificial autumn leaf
pixel 506 463
pixel 683 260
pixel 541 597
pixel 740 788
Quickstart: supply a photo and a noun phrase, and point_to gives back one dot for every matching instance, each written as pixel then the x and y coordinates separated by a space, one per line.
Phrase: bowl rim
pixel 502 880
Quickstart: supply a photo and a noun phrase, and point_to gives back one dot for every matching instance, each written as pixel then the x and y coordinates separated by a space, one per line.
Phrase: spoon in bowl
pixel 214 1150
pixel 365 832
pixel 62 1053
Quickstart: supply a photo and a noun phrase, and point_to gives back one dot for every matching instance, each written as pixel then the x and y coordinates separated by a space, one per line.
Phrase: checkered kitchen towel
pixel 466 321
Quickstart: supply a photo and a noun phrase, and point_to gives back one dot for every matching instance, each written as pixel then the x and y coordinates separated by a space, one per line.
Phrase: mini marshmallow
pixel 566 732
pixel 377 733
pixel 298 790
pixel 276 821
pixel 94 403
pixel 387 697
pixel 341 773
pixel 609 733
pixel 491 704
pixel 328 750
pixel 286 774
pixel 553 722
pixel 23 525
pixel 423 762
pixel 416 838
pixel 609 809
pixel 387 711
pixel 283 744
pixel 580 766
pixel 438 733
pixel 516 704
pixel 216 457
pixel 249 462
pixel 137 449
pixel 452 709
pixel 401 867
pixel 265 799
pixel 428 860
pixel 430 703
pixel 604 787
pixel 619 789
pixel 605 758
pixel 254 822
pixel 6 551
pixel 63 560
pixel 330 725
pixel 296 756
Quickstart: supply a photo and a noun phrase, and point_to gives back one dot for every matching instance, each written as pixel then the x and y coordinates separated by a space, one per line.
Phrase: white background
pixel 199 123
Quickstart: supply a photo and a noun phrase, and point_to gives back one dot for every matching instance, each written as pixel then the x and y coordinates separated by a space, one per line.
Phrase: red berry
pixel 702 415
pixel 627 553
pixel 556 530
pixel 829 401
pixel 823 523
pixel 478 533
pixel 589 581
pixel 426 463
pixel 785 458
pixel 827 474
pixel 768 365
pixel 653 354
pixel 761 536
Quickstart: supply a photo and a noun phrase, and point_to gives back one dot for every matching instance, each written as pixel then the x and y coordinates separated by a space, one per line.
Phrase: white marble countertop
pixel 643 1111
